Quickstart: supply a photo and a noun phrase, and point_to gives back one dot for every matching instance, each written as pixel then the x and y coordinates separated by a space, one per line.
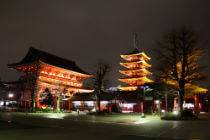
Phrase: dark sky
pixel 88 30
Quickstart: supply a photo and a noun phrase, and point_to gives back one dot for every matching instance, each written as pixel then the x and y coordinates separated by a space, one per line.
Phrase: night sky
pixel 89 30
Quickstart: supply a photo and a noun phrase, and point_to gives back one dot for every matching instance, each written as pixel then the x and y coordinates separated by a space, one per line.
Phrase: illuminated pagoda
pixel 135 69
pixel 46 76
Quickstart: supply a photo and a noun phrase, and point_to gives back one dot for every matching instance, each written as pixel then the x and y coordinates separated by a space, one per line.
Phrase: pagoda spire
pixel 135 40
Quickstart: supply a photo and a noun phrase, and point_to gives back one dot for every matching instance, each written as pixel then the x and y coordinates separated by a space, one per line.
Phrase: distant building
pixel 8 98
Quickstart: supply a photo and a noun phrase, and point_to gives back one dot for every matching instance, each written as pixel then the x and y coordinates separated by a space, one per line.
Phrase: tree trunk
pixel 181 96
pixel 166 101
pixel 58 108
pixel 33 101
pixel 99 102
pixel 33 96
pixel 99 106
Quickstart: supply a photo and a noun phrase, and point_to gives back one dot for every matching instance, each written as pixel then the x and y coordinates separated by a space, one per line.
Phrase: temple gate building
pixel 46 79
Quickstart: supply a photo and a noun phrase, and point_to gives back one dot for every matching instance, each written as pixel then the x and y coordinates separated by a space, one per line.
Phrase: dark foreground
pixel 20 126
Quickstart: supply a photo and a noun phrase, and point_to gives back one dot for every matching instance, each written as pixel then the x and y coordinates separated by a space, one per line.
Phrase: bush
pixel 115 109
pixel 103 112
pixel 186 115
pixel 46 110
pixel 170 116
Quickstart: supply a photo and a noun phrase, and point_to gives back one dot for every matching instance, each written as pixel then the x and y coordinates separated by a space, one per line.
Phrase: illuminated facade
pixel 136 70
pixel 192 92
pixel 47 78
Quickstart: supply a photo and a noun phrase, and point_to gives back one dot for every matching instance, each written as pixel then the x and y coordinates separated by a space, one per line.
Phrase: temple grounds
pixel 43 126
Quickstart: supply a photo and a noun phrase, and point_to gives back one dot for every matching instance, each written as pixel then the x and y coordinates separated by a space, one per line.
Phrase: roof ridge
pixel 39 50
pixel 34 55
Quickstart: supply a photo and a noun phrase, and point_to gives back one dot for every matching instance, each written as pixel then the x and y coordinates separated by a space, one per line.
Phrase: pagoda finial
pixel 135 40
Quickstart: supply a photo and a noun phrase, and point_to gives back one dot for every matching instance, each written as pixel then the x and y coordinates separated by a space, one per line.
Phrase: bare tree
pixel 99 80
pixel 179 55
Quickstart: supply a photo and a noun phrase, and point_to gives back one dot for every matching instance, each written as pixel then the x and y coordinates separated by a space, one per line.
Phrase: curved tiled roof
pixel 135 51
pixel 34 55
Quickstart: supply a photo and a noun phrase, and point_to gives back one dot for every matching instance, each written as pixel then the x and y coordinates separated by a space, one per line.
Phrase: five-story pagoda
pixel 135 69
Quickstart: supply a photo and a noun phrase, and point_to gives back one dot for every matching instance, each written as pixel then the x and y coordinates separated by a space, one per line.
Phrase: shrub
pixel 186 115
pixel 46 110
pixel 170 116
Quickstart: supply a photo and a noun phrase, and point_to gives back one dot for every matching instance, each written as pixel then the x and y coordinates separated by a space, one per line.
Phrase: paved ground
pixel 15 126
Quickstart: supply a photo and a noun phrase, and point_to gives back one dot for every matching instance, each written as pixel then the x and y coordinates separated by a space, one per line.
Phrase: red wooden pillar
pixel 25 104
pixel 196 106
pixel 196 101
pixel 82 105
pixel 69 105
pixel 142 107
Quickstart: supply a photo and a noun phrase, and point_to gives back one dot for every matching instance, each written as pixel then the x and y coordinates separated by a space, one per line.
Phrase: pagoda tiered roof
pixel 135 55
pixel 135 70
pixel 135 81
pixel 138 64
pixel 128 88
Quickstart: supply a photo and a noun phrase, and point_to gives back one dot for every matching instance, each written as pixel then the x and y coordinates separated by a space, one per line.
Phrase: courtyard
pixel 66 126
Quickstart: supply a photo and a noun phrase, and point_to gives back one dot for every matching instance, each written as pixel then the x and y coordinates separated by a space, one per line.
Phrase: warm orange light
pixel 190 89
pixel 60 75
pixel 137 56
pixel 131 88
pixel 68 88
pixel 136 72
pixel 136 81
pixel 64 82
pixel 61 71
pixel 135 65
